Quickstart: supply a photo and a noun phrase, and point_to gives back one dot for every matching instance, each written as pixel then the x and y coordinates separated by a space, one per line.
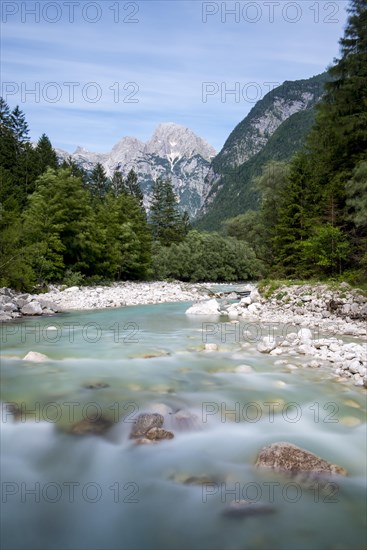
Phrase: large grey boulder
pixel 48 304
pixel 33 308
pixel 210 307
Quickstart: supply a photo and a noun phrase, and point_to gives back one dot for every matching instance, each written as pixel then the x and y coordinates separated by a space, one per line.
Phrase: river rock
pixel 211 347
pixel 267 344
pixel 96 386
pixel 305 335
pixel 144 423
pixel 255 295
pixel 287 457
pixel 94 426
pixel 48 304
pixel 10 306
pixel 186 420
pixel 32 308
pixel 209 307
pixel 36 357
pixel 246 508
pixel 5 317
pixel 155 434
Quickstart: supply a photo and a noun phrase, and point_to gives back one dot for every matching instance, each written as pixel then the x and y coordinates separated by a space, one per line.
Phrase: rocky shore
pixel 304 320
pixel 14 305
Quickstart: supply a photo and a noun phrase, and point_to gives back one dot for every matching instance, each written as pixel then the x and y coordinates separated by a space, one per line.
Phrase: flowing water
pixel 62 491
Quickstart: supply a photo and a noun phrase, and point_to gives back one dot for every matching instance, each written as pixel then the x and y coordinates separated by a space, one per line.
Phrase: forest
pixel 59 223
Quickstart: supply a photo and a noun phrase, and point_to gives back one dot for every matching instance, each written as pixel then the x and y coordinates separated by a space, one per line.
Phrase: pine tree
pixel 186 223
pixel 99 182
pixel 133 187
pixel 118 186
pixel 60 226
pixel 8 142
pixel 339 138
pixel 165 218
pixel 19 127
pixel 46 156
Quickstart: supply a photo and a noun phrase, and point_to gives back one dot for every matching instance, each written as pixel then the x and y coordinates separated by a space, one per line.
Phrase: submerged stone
pixel 96 426
pixel 238 509
pixel 144 423
pixel 287 457
pixel 96 386
pixel 158 434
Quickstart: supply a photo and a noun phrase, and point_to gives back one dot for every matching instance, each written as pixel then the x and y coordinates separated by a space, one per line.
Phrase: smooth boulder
pixel 287 457
pixel 209 307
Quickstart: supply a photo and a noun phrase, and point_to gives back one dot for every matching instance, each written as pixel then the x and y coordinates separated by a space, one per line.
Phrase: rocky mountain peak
pixel 173 141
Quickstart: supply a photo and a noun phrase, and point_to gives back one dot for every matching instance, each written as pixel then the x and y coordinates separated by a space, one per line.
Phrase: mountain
pixel 173 151
pixel 275 129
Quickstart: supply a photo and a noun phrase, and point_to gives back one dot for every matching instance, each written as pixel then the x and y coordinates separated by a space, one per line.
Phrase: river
pixel 62 491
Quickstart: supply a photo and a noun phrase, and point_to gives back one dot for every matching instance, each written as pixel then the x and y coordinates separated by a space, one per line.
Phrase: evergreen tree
pixel 165 218
pixel 186 223
pixel 248 227
pixel 356 191
pixel 271 184
pixel 46 156
pixel 8 142
pixel 133 187
pixel 76 171
pixel 124 237
pixel 118 186
pixel 59 225
pixel 19 127
pixel 99 182
pixel 339 138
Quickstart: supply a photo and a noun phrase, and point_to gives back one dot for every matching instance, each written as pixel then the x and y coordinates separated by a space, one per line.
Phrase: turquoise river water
pixel 62 491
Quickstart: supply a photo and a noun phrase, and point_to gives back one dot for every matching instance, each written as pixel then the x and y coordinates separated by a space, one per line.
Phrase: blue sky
pixel 88 73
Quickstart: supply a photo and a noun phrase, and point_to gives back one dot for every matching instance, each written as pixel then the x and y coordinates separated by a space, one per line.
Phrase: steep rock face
pixel 172 152
pixel 260 128
pixel 245 150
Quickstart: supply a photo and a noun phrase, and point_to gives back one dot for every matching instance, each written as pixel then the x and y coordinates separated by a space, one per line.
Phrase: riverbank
pixel 337 310
pixel 14 305
pixel 307 322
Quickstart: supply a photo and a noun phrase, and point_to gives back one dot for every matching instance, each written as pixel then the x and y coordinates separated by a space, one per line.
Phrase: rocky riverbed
pixel 14 305
pixel 311 318
pixel 304 320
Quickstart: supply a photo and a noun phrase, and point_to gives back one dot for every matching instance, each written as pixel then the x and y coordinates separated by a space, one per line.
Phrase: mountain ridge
pixel 275 129
pixel 173 151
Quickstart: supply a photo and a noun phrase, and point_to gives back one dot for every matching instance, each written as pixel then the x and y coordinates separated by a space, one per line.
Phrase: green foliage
pixel 327 248
pixel 133 188
pixel 99 182
pixel 234 190
pixel 356 191
pixel 206 257
pixel 165 217
pixel 250 228
pixel 73 278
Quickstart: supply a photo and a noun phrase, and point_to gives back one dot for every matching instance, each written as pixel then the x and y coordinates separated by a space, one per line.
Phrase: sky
pixel 89 73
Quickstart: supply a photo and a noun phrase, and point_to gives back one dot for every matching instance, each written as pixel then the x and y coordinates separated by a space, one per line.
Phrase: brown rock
pixel 96 386
pixel 96 426
pixel 158 433
pixel 144 423
pixel 287 457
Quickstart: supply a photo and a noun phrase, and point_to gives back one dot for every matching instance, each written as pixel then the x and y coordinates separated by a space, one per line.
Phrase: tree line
pixel 312 216
pixel 59 223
